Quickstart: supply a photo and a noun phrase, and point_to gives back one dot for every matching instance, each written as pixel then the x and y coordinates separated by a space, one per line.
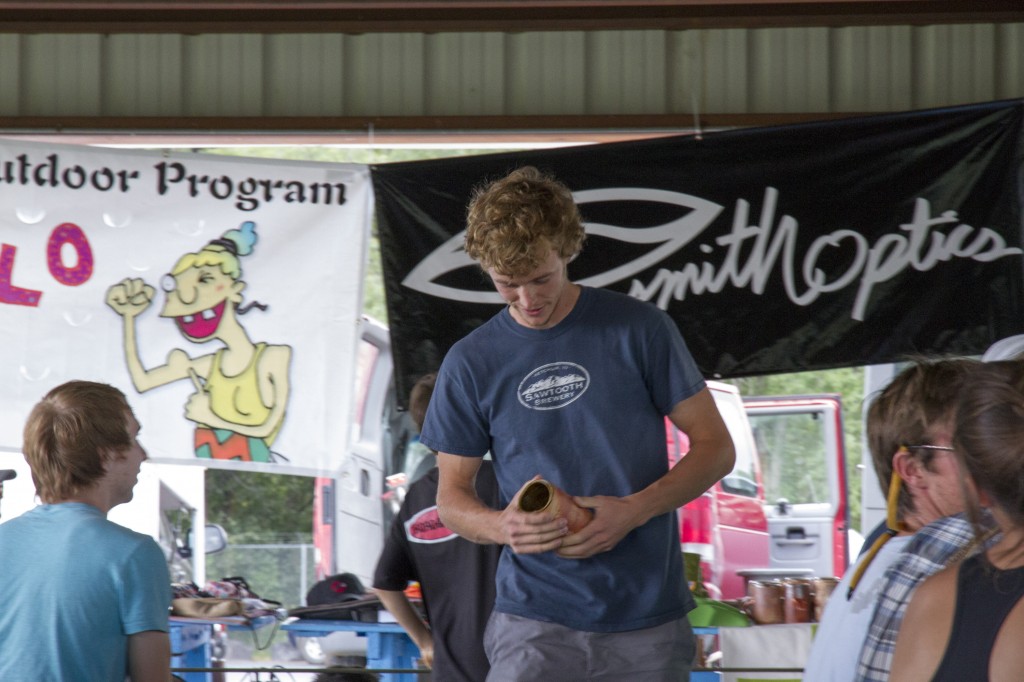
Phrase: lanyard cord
pixel 892 528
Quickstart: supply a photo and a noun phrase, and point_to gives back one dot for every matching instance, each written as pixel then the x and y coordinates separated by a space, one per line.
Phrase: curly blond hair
pixel 512 223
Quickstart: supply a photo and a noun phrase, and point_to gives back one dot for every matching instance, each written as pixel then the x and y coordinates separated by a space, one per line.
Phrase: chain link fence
pixel 280 569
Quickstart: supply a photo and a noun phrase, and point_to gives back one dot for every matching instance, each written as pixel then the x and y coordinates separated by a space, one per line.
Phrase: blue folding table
pixel 387 644
pixel 190 641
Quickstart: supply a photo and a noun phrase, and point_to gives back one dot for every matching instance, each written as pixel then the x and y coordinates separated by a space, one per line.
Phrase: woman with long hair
pixel 976 634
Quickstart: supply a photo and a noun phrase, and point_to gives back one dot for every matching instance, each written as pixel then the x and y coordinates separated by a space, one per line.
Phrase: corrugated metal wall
pixel 857 69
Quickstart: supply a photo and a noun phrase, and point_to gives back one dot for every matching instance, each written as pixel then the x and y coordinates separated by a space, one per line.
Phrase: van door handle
pixel 780 541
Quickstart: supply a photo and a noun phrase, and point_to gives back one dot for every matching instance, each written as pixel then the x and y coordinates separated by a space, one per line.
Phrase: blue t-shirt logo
pixel 554 385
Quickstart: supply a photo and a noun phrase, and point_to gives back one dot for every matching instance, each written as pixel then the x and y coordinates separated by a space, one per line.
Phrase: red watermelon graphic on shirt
pixel 427 527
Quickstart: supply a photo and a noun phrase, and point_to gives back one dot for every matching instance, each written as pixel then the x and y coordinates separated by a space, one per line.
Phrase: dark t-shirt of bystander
pixel 456 576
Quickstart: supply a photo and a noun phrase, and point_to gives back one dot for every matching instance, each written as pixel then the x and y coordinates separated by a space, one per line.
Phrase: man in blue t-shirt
pixel 572 384
pixel 85 599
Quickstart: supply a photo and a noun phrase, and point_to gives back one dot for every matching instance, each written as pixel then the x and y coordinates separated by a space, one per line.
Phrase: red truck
pixel 782 510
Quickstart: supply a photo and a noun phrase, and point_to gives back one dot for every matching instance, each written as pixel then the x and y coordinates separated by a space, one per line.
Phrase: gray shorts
pixel 526 650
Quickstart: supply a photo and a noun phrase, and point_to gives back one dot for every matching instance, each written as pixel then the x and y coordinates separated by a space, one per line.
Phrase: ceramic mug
pixel 539 495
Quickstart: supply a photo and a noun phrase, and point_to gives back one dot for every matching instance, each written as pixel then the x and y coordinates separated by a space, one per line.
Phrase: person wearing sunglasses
pixel 976 634
pixel 910 435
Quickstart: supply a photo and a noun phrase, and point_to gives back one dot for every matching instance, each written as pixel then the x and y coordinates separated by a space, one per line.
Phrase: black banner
pixel 783 249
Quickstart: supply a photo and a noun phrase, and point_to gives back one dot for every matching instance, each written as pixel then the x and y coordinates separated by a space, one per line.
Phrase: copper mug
pixel 797 600
pixel 539 495
pixel 765 602
pixel 823 588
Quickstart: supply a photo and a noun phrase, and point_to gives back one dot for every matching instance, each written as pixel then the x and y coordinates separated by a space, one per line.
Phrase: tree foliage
pixel 272 511
pixel 848 383
pixel 256 507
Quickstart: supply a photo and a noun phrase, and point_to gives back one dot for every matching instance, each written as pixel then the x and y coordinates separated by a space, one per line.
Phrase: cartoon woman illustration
pixel 241 389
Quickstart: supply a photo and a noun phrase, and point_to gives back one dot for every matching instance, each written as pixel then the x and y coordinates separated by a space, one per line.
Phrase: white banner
pixel 221 294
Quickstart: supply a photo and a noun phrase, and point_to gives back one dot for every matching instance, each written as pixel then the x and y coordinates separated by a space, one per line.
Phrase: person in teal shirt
pixel 85 599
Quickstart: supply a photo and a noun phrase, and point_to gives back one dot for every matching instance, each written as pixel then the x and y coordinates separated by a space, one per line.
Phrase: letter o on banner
pixel 69 233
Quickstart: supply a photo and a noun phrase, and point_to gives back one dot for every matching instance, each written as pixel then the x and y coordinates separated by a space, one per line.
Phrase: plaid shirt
pixel 928 552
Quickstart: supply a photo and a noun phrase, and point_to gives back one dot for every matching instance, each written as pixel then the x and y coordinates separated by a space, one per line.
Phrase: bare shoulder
pixel 925 630
pixel 941 583
pixel 934 601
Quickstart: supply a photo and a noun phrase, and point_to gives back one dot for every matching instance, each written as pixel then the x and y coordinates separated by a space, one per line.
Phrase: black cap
pixel 336 589
pixel 7 474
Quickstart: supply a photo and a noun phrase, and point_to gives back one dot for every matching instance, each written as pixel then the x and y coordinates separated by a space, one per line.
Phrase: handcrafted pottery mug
pixel 539 495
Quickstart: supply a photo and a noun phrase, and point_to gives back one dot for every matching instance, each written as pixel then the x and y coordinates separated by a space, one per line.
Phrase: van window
pixel 365 361
pixel 791 461
pixel 743 478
